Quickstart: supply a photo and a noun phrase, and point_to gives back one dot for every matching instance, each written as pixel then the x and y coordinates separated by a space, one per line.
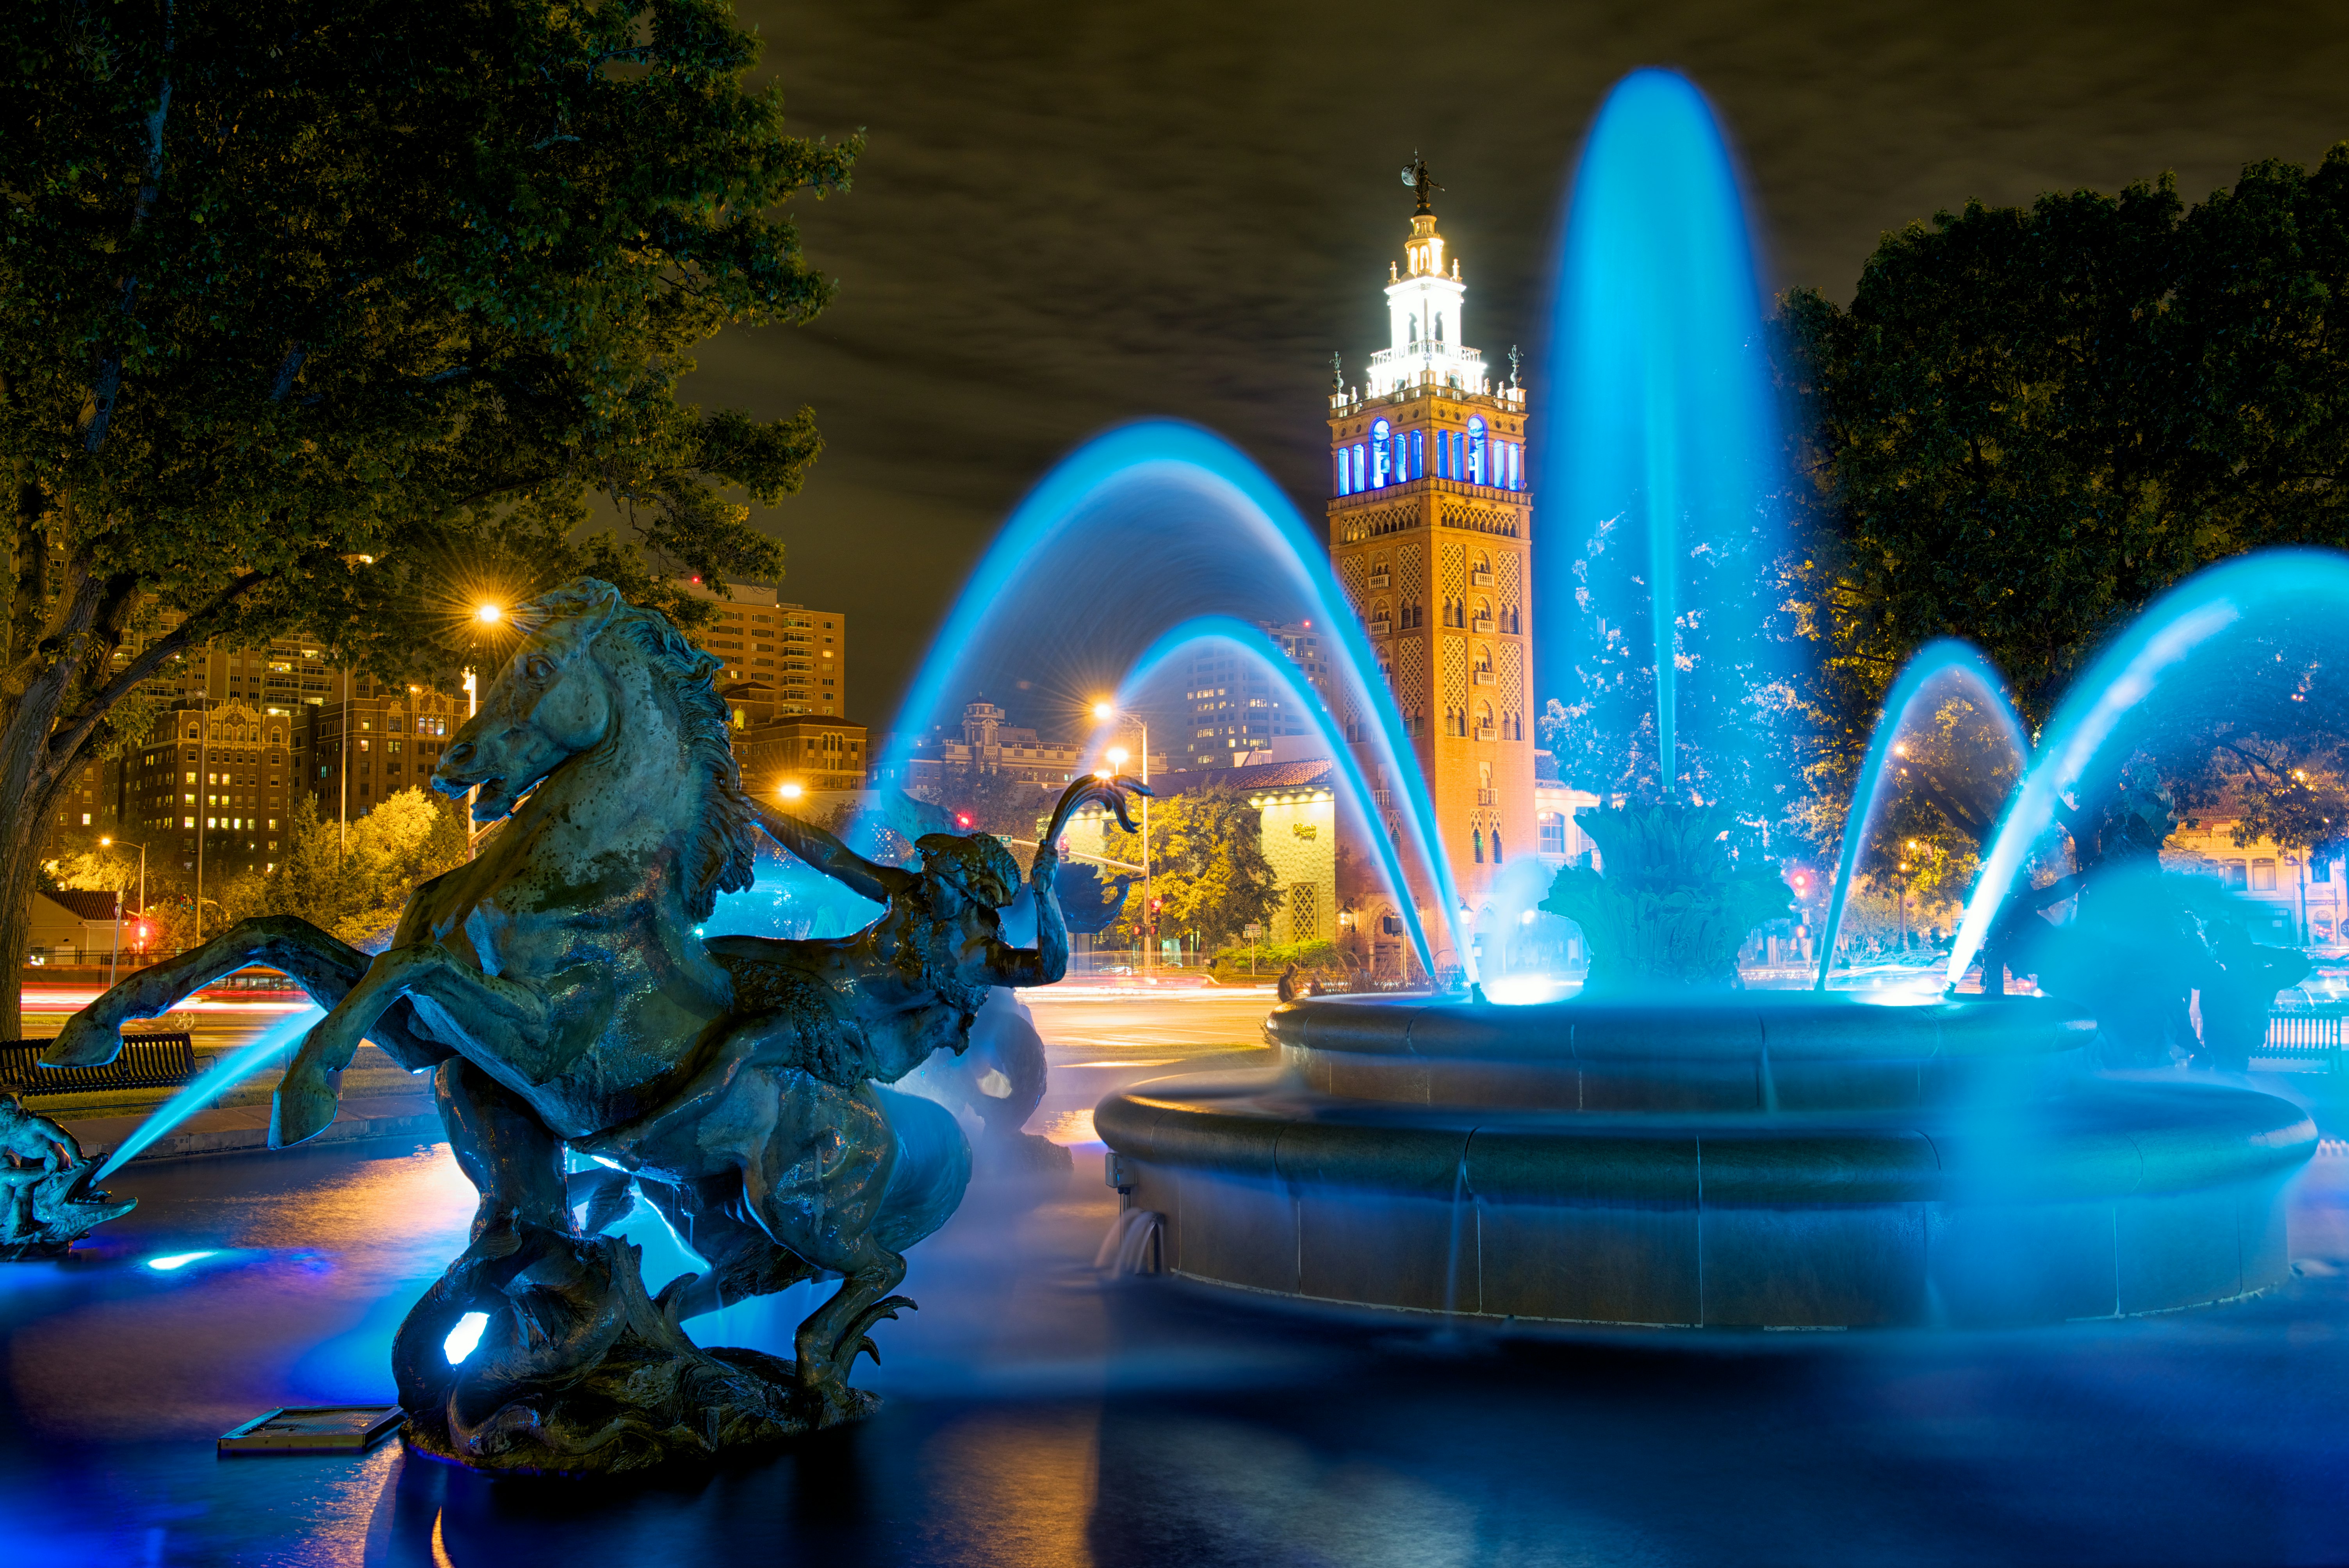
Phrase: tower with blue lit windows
pixel 1431 536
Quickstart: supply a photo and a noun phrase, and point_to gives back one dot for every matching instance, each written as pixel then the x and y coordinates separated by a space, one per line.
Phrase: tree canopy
pixel 2030 421
pixel 330 317
pixel 1209 870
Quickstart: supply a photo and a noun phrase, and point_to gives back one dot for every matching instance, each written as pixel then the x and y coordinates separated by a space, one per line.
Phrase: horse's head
pixel 551 702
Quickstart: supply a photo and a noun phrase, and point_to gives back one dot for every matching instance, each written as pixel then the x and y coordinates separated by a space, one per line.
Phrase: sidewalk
pixel 245 1129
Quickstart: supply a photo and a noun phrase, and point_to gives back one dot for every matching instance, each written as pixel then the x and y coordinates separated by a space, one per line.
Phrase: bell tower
pixel 1431 537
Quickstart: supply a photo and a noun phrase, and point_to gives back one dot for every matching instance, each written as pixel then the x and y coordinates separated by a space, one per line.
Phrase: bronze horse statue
pixel 557 989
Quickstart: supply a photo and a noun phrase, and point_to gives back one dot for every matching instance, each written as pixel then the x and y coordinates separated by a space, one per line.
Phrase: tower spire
pixel 1417 177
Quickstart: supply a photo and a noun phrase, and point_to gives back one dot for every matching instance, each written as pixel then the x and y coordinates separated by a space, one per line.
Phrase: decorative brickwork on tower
pixel 1430 533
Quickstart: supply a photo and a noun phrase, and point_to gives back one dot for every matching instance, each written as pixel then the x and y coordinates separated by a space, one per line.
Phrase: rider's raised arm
pixel 833 858
pixel 1049 959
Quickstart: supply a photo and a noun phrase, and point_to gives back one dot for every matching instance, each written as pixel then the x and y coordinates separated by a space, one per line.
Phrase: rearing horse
pixel 556 988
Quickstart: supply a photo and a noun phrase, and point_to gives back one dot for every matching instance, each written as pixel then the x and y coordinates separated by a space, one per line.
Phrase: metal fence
pixel 2301 1042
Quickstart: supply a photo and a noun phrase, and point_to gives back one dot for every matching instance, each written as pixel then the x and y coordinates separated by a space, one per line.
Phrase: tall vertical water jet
pixel 1943 671
pixel 1136 532
pixel 1662 454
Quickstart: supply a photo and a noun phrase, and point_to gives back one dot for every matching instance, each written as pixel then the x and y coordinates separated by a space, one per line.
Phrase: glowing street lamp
pixel 489 614
pixel 790 792
pixel 1104 711
pixel 108 844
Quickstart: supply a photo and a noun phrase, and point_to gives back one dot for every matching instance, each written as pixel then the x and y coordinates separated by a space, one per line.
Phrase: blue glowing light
pixel 171 1261
pixel 1932 671
pixel 1212 631
pixel 464 1336
pixel 1137 531
pixel 210 1084
pixel 1662 454
pixel 2171 630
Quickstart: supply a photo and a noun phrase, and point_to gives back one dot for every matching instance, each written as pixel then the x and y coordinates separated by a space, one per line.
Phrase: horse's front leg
pixel 481 1015
pixel 321 964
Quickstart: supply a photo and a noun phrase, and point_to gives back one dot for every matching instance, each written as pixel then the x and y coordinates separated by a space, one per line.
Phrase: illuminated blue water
pixel 2098 713
pixel 1137 533
pixel 1660 456
pixel 1942 669
pixel 213 1081
pixel 1416 820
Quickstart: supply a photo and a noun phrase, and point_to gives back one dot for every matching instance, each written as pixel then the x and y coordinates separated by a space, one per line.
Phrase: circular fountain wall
pixel 1771 1160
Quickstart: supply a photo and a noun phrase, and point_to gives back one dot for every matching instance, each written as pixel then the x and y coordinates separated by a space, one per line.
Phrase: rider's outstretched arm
pixel 833 858
pixel 1049 959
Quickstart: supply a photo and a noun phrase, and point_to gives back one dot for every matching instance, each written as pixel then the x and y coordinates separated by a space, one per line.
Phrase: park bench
pixel 159 1060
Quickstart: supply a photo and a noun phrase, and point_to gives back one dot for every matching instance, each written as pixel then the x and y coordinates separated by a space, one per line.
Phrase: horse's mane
pixel 725 844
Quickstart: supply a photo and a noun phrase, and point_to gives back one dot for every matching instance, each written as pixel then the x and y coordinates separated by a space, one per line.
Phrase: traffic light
pixel 962 818
pixel 1802 883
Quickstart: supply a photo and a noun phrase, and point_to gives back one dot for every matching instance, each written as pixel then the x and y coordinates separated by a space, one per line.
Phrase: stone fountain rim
pixel 2114 1139
pixel 1783 1025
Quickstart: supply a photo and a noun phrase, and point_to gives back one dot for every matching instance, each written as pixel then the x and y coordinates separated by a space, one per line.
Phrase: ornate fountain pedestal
pixel 1763 1160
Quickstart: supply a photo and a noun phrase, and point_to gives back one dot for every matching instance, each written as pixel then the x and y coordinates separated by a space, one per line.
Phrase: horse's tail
pixel 932 1170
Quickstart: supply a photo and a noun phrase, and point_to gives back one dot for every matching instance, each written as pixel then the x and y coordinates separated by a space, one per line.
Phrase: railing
pixel 1488 796
pixel 1480 578
pixel 1380 579
pixel 1483 677
pixel 2301 1042
pixel 1382 628
pixel 1480 623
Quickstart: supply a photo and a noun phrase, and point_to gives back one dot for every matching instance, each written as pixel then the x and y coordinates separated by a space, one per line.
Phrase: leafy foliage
pixel 336 316
pixel 1209 869
pixel 355 885
pixel 2031 421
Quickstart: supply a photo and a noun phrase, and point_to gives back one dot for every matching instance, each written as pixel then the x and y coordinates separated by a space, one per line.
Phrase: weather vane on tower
pixel 1418 179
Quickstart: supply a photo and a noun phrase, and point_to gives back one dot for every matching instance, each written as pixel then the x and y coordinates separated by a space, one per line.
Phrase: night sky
pixel 1071 215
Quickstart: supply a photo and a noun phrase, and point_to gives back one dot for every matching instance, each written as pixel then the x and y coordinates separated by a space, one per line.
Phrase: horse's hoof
pixel 83 1042
pixel 303 1106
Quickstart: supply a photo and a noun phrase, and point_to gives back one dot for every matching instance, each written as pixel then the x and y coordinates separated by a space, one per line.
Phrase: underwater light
pixel 178 1261
pixel 464 1336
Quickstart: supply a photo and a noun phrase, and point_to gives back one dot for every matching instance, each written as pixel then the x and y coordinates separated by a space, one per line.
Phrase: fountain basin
pixel 1774 1162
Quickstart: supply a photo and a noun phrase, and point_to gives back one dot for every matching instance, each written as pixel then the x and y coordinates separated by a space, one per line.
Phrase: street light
pixel 489 614
pixel 790 792
pixel 1106 711
pixel 111 961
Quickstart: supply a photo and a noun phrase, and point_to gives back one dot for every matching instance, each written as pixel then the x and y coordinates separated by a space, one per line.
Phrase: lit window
pixel 1475 450
pixel 1418 454
pixel 1381 456
pixel 2263 874
pixel 1358 465
pixel 1345 473
pixel 1553 833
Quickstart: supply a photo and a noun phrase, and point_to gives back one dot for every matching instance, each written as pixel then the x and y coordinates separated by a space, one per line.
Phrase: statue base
pixel 578 1371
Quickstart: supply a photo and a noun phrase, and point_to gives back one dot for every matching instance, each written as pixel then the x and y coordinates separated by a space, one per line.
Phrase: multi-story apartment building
pixel 800 653
pixel 380 741
pixel 1237 707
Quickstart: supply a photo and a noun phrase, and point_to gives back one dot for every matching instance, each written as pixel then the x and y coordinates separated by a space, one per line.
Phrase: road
pixel 1097 1039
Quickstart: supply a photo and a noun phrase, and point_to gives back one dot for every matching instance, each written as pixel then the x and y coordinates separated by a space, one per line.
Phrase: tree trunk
pixel 30 780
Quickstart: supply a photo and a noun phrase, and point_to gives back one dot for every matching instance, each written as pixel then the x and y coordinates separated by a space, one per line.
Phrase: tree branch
pixel 73 730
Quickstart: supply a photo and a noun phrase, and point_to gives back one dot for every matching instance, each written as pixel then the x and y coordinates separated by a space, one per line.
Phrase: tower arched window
pixel 1477 448
pixel 1381 454
pixel 1476 843
pixel 1418 453
pixel 1345 473
pixel 1410 329
pixel 1439 327
pixel 1496 843
pixel 1358 465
